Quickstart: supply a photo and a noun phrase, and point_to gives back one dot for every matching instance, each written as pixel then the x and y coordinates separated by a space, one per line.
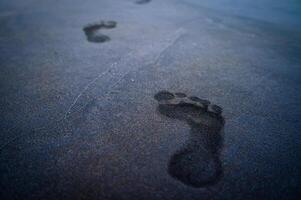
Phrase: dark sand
pixel 78 118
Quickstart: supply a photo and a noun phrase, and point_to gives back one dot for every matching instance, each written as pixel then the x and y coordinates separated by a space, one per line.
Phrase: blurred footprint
pixel 93 34
pixel 142 1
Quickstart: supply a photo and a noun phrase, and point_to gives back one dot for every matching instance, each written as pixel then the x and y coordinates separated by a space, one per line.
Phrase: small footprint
pixel 198 163
pixel 93 34
pixel 142 1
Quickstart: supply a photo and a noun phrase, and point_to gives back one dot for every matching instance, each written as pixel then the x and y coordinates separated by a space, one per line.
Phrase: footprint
pixel 142 1
pixel 198 163
pixel 93 34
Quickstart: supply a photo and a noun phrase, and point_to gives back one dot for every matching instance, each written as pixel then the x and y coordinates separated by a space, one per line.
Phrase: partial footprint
pixel 93 34
pixel 197 164
pixel 142 1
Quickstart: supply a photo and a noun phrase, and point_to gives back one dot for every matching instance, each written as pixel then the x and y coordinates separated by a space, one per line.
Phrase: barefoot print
pixel 93 33
pixel 142 1
pixel 197 164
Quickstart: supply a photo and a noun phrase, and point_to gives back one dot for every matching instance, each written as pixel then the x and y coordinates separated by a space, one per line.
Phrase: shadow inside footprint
pixel 92 31
pixel 142 1
pixel 197 164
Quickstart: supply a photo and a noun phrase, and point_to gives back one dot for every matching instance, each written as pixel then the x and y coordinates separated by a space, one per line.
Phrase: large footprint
pixel 93 34
pixel 197 164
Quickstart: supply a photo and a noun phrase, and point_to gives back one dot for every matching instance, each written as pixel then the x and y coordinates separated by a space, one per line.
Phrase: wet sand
pixel 79 117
